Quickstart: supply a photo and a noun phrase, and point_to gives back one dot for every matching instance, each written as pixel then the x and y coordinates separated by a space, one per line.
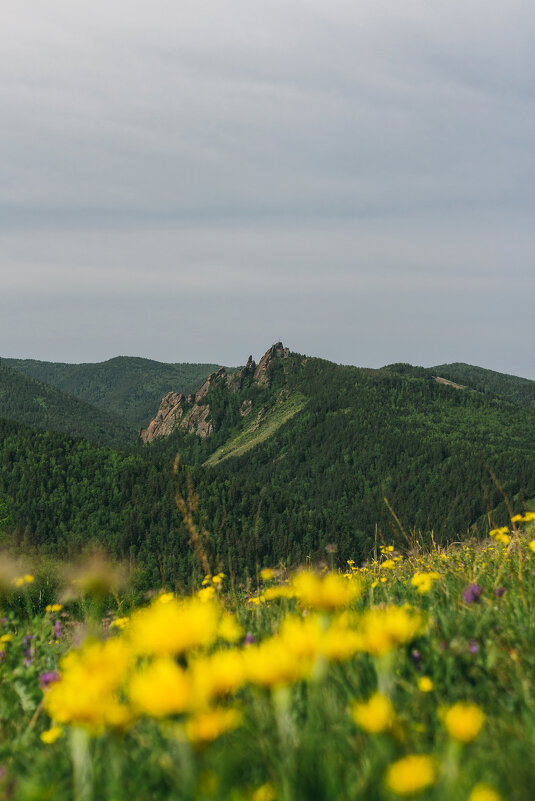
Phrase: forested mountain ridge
pixel 338 442
pixel 27 400
pixel 128 386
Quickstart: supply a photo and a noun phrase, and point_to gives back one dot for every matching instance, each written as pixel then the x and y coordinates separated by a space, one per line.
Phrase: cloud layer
pixel 193 181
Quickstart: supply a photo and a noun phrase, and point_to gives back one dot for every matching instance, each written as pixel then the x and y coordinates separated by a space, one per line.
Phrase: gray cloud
pixel 195 180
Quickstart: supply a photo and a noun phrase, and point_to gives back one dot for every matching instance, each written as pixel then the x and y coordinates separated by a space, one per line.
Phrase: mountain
pixel 126 386
pixel 286 457
pixel 26 400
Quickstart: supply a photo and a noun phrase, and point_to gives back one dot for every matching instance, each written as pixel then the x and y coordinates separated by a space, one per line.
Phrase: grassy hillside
pixel 34 403
pixel 127 386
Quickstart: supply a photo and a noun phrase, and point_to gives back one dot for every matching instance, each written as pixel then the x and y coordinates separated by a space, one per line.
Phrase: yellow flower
pixel 206 594
pixel 424 581
pixel 383 629
pixel 505 539
pixel 411 774
pixel 120 623
pixel 375 715
pixel 207 726
pixel 388 564
pixel 54 607
pixel 532 545
pixel 173 627
pixel 464 721
pixel 267 574
pixel 90 682
pixel 51 735
pixel 217 675
pixel 272 664
pixel 483 792
pixel 517 519
pixel 328 592
pixel 160 689
pixel 266 792
pixel 425 684
pixel 6 638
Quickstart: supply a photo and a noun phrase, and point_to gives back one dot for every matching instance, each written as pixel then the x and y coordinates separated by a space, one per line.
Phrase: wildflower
pixel 267 574
pixel 266 792
pixel 464 721
pixel 388 564
pixel 472 593
pixel 411 774
pixel 381 630
pixel 6 638
pixel 505 539
pixel 51 735
pixel 217 675
pixel 532 545
pixel 249 639
pixel 499 591
pixel 329 592
pixel 57 630
pixel 483 792
pixel 425 684
pixel 473 647
pixel 207 726
pixel 424 581
pixel 229 629
pixel 46 679
pixel 53 607
pixel 375 715
pixel 87 694
pixel 120 623
pixel 160 689
pixel 173 627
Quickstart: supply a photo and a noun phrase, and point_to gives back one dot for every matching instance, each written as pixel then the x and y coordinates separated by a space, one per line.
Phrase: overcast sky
pixel 194 180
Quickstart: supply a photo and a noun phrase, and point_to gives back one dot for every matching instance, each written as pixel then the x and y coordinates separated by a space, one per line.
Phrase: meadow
pixel 411 676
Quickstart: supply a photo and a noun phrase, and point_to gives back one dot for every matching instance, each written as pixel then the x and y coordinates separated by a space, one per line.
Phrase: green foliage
pixel 34 403
pixel 320 477
pixel 126 386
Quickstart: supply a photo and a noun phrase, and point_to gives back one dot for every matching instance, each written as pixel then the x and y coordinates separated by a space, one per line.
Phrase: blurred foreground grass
pixel 412 676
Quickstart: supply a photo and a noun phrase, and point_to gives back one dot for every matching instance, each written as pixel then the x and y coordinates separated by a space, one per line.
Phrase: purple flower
pixel 473 647
pixel 28 657
pixel 472 593
pixel 249 639
pixel 2 656
pixel 46 679
pixel 57 630
pixel 416 659
pixel 499 591
pixel 27 639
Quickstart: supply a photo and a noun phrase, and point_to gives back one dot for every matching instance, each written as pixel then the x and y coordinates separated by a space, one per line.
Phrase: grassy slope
pixel 127 386
pixel 283 410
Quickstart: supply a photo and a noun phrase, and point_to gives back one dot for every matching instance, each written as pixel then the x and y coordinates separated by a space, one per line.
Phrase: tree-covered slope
pixel 509 387
pixel 355 443
pixel 127 386
pixel 27 400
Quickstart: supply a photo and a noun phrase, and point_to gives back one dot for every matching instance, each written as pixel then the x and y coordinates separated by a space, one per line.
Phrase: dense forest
pixel 127 386
pixel 388 454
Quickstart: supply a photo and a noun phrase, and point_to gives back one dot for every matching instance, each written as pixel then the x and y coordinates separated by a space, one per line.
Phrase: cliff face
pixel 191 413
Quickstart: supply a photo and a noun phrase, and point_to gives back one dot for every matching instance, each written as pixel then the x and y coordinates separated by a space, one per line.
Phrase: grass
pixel 259 427
pixel 411 676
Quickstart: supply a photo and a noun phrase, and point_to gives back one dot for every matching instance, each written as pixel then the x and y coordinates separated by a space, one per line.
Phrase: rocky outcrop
pixel 191 413
pixel 277 351
pixel 169 414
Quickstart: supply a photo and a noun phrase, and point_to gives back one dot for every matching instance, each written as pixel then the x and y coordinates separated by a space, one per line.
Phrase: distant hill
pixel 28 401
pixel 127 386
pixel 287 457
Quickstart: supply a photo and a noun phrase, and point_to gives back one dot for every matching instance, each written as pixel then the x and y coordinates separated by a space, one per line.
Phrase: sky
pixel 194 181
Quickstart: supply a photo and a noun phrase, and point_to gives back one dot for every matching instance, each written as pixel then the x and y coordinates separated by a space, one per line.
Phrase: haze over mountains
pixel 287 456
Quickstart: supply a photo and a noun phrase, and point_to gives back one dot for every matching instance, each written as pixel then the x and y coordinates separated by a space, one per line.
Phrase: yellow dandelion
pixel 375 715
pixel 207 726
pixel 51 735
pixel 425 684
pixel 483 792
pixel 411 774
pixel 464 721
